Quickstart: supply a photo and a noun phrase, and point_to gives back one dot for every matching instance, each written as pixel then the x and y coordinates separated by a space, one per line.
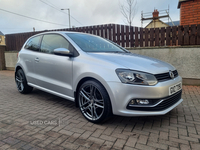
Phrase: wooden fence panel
pixel 110 32
pixel 198 34
pixel 136 37
pixel 14 42
pixel 86 30
pixel 90 30
pixel 122 36
pixel 114 33
pixel 174 34
pixel 162 39
pixel 146 37
pixel 102 33
pixel 118 34
pixel 98 30
pixel 141 37
pixel 180 35
pixel 157 37
pixel 193 35
pixel 168 36
pixel 131 37
pixel 152 37
pixel 105 30
pixel 83 29
pixel 186 35
pixel 127 36
pixel 95 30
pixel 79 29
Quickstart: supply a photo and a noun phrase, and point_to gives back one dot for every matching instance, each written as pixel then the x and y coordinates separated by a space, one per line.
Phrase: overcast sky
pixel 83 13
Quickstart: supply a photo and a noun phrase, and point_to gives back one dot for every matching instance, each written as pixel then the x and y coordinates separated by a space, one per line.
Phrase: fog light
pixel 132 102
pixel 142 102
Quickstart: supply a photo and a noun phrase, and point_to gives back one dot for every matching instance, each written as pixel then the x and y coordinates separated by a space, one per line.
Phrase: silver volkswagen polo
pixel 101 77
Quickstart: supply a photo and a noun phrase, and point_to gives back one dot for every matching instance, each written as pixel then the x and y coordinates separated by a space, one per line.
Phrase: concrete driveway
pixel 43 121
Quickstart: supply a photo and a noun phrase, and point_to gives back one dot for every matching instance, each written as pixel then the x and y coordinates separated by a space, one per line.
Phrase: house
pixel 156 22
pixel 189 12
pixel 2 39
pixel 174 23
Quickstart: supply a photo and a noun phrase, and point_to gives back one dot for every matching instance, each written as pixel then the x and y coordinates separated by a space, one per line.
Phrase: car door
pixel 54 72
pixel 28 56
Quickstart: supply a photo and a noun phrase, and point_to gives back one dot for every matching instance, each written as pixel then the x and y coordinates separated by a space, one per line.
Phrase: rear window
pixel 33 43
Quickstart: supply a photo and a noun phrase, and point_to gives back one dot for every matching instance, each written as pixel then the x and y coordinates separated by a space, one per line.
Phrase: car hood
pixel 135 62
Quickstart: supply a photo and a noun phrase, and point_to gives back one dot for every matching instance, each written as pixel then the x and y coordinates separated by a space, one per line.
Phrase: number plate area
pixel 175 88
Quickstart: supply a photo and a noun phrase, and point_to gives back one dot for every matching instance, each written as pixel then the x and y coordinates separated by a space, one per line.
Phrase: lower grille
pixel 166 103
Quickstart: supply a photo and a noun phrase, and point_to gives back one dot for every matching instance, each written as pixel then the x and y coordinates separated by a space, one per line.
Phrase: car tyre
pixel 94 102
pixel 21 82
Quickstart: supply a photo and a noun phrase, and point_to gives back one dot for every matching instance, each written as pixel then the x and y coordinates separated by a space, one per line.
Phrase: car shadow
pixel 113 121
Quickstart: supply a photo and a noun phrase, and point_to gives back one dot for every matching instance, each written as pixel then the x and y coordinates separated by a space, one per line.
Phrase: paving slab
pixel 43 121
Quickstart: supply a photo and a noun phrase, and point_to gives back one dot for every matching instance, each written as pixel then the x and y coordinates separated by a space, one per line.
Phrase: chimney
pixel 155 14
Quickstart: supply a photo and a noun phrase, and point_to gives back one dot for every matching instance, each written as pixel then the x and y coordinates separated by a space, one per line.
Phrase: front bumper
pixel 121 94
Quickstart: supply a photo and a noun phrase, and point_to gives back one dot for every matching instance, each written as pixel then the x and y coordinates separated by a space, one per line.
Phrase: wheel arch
pixel 17 68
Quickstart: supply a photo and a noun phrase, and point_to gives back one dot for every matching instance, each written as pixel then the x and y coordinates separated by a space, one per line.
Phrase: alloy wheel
pixel 19 81
pixel 91 102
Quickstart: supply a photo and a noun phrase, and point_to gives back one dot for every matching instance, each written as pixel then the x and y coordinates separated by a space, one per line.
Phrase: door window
pixel 53 41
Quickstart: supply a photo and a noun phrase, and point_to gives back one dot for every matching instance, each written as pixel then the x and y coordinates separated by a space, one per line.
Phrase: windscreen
pixel 90 43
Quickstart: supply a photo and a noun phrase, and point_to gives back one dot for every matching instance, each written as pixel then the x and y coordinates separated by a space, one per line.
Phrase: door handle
pixel 37 59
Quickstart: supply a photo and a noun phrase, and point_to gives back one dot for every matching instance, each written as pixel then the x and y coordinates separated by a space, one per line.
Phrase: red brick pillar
pixel 2 57
pixel 190 12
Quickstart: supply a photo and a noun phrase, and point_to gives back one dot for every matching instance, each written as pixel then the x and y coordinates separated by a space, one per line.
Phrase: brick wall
pixel 190 12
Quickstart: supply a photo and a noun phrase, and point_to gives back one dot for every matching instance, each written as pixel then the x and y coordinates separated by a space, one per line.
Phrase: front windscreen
pixel 90 43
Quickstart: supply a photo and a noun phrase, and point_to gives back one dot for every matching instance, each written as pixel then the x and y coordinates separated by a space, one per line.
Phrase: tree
pixel 129 10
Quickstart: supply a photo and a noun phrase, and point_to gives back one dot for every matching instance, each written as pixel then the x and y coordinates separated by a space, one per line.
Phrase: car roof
pixel 60 32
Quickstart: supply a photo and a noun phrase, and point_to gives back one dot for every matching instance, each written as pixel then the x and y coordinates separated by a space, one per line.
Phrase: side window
pixel 53 41
pixel 34 43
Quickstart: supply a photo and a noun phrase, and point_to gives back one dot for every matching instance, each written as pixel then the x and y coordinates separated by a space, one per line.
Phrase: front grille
pixel 167 102
pixel 165 76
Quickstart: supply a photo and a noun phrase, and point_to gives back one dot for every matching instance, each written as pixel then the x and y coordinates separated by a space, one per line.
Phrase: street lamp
pixel 69 16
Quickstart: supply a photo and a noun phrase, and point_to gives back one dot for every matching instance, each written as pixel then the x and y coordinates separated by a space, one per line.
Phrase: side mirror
pixel 62 51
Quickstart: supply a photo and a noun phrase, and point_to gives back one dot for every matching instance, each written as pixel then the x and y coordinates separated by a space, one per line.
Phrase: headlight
pixel 136 77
